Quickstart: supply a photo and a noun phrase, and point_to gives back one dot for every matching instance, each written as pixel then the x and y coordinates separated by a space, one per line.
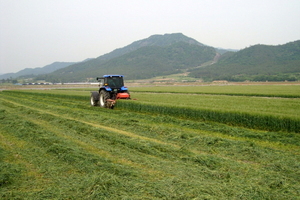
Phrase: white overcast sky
pixel 35 33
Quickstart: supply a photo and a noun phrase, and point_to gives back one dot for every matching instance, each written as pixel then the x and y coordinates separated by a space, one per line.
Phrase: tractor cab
pixel 112 81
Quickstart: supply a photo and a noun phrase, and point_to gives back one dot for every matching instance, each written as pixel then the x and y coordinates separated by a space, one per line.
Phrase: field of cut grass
pixel 54 145
pixel 289 91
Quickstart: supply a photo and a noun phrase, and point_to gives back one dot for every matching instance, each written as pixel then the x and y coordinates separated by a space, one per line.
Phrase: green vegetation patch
pixel 263 122
pixel 285 91
pixel 59 147
pixel 272 114
pixel 9 172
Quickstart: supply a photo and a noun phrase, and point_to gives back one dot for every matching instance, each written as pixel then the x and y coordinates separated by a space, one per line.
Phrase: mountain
pixel 37 71
pixel 161 55
pixel 157 55
pixel 255 63
pixel 154 40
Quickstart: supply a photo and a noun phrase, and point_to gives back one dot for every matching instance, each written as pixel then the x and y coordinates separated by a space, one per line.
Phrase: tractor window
pixel 115 82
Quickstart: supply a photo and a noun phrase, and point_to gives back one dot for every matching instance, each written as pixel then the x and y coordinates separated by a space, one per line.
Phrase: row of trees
pixel 258 78
pixel 9 80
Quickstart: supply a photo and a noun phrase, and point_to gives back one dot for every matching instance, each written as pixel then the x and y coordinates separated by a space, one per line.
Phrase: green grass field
pixel 54 145
pixel 288 91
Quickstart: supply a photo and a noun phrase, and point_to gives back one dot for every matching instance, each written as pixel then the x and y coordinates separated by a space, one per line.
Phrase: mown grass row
pixel 52 94
pixel 263 122
pixel 81 108
pixel 267 106
pixel 67 169
pixel 234 118
pixel 62 148
pixel 76 163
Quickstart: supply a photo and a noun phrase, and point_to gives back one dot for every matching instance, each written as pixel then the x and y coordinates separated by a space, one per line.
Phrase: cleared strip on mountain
pixel 55 146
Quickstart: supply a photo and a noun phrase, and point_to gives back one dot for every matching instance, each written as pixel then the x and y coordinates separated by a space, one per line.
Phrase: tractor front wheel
pixel 104 95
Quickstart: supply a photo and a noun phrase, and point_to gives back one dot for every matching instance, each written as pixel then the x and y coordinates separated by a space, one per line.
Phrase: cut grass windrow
pixel 285 138
pixel 109 129
pixel 82 152
pixel 245 117
pixel 16 160
pixel 58 143
pixel 77 110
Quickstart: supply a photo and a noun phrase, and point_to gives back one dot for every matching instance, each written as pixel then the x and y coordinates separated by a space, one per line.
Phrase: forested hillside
pixel 154 40
pixel 256 63
pixel 162 55
pixel 156 55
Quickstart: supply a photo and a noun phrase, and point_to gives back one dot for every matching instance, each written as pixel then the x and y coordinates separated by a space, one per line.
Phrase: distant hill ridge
pixel 33 72
pixel 154 40
pixel 255 63
pixel 37 71
pixel 146 58
pixel 161 55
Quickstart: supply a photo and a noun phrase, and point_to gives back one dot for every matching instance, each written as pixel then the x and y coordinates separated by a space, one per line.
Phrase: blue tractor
pixel 111 88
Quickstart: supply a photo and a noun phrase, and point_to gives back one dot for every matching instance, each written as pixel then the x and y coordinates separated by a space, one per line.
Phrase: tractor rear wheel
pixel 104 95
pixel 93 101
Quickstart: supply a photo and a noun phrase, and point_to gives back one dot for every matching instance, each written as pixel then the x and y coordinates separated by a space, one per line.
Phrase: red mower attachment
pixel 123 95
pixel 111 103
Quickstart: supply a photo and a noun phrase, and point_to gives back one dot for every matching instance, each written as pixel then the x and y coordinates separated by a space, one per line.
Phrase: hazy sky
pixel 35 33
